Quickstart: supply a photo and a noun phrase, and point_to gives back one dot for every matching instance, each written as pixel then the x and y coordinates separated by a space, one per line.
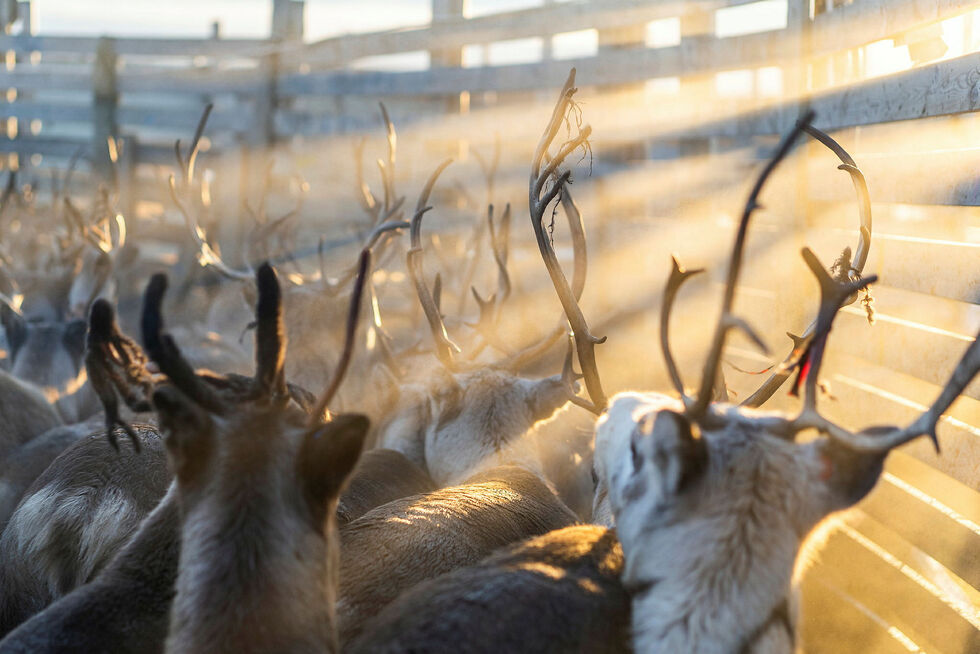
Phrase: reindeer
pixel 24 413
pixel 381 476
pixel 469 417
pixel 710 512
pixel 468 427
pixel 397 545
pixel 712 502
pixel 310 301
pixel 21 466
pixel 75 517
pixel 125 609
pixel 559 592
pixel 95 617
pixel 48 354
pixel 257 488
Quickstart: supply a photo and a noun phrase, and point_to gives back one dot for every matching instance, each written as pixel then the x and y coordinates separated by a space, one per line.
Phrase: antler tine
pixel 926 423
pixel 164 351
pixel 445 347
pixel 551 130
pixel 390 222
pixel 388 169
pixel 580 270
pixel 270 335
pixel 196 143
pixel 368 202
pixel 782 373
pixel 585 342
pixel 678 275
pixel 383 339
pixel 206 255
pixel 499 242
pixel 726 320
pixel 353 314
pixel 833 294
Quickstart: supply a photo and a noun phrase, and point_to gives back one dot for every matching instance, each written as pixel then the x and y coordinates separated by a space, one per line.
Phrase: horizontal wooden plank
pixel 939 89
pixel 924 519
pixel 859 569
pixel 148 46
pixel 910 347
pixel 846 27
pixel 897 176
pixel 939 222
pixel 865 394
pixel 832 622
pixel 931 266
pixel 523 23
pixel 68 147
pixel 179 118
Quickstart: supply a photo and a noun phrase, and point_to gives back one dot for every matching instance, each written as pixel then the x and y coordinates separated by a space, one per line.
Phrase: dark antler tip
pixel 157 285
pixel 266 279
pixel 101 316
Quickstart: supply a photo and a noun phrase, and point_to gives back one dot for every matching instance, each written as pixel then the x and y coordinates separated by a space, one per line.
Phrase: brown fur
pixel 392 548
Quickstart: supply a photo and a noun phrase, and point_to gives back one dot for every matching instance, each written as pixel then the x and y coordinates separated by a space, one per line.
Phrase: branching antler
pixel 540 196
pixel 678 276
pixel 727 320
pixel 853 270
pixel 207 256
pixel 446 349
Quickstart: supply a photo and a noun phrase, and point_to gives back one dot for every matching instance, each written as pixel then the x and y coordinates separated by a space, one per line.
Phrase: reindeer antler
pixel 678 275
pixel 446 349
pixel 207 256
pixel 727 320
pixel 353 314
pixel 856 266
pixel 540 196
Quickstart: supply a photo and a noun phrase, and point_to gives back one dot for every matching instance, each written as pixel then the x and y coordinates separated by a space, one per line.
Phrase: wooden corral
pixel 679 128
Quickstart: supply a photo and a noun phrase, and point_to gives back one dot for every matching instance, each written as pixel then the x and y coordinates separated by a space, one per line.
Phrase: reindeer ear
pixel 15 326
pixel 326 458
pixel 546 396
pixel 188 432
pixel 672 449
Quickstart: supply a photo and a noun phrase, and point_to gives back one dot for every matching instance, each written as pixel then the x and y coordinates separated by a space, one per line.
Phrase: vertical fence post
pixel 446 11
pixel 105 99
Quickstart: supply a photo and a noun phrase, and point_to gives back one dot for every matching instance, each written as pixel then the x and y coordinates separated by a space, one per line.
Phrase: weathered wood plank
pixel 866 394
pixel 544 21
pixel 149 46
pixel 860 571
pixel 831 617
pixel 178 118
pixel 56 147
pixel 927 521
pixel 936 267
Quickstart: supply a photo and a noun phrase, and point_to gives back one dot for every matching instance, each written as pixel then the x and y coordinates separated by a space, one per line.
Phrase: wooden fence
pixel 901 573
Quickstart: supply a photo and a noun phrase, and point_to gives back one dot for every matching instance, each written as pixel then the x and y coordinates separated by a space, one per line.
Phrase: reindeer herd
pixel 155 498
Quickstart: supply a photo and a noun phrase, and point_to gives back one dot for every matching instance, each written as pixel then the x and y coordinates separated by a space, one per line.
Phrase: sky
pixel 239 18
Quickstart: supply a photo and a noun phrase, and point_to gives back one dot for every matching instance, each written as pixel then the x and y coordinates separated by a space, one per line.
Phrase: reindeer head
pixel 713 501
pixel 257 480
pixel 48 354
pixel 472 415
